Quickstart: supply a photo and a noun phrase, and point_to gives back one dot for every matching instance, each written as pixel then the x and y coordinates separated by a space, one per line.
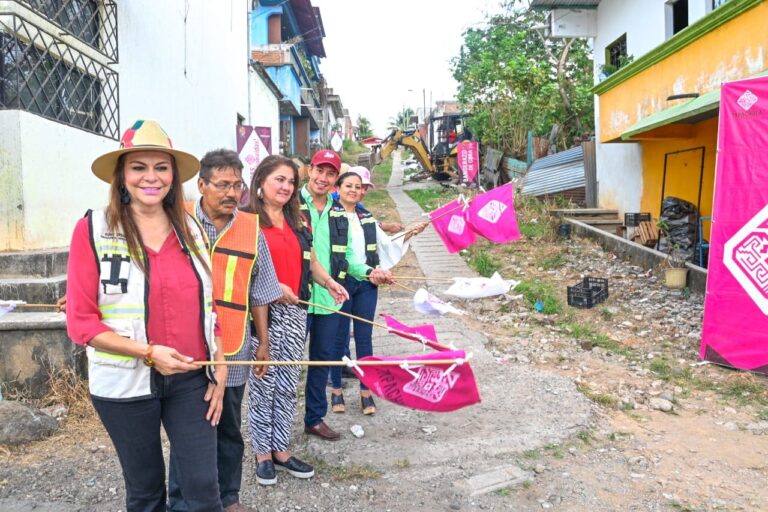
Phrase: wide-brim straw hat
pixel 145 135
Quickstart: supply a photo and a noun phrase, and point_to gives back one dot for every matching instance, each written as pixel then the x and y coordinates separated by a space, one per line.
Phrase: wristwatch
pixel 148 356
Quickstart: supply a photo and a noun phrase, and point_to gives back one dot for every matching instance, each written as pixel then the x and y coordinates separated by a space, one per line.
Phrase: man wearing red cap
pixel 330 233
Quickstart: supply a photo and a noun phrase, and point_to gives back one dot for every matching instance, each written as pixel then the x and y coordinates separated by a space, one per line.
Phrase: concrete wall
pixel 11 192
pixel 182 63
pixel 288 82
pixel 264 109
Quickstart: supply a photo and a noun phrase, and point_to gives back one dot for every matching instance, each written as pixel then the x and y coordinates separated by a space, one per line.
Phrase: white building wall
pixel 182 63
pixel 264 109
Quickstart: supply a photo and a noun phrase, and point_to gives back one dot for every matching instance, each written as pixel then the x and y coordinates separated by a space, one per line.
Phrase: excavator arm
pixel 409 139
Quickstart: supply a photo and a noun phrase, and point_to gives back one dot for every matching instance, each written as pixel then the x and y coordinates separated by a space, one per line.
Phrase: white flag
pixel 479 287
pixel 428 304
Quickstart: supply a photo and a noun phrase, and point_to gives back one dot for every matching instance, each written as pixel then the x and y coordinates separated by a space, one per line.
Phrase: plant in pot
pixel 676 271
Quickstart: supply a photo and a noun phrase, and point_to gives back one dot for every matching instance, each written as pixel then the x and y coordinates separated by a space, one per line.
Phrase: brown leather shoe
pixel 323 431
pixel 239 507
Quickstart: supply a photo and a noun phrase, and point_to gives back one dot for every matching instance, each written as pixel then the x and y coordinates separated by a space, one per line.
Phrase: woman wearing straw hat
pixel 139 297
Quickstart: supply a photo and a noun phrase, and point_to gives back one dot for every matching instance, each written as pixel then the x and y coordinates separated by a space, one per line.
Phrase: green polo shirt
pixel 321 242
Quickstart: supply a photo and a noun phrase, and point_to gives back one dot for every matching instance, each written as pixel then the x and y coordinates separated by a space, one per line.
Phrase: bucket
pixel 564 230
pixel 675 277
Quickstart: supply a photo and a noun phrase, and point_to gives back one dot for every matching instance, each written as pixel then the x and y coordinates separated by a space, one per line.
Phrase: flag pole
pixel 374 323
pixel 401 285
pixel 432 219
pixel 351 363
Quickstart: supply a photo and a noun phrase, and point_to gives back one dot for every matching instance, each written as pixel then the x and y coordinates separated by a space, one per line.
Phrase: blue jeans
pixel 322 335
pixel 229 455
pixel 134 427
pixel 362 302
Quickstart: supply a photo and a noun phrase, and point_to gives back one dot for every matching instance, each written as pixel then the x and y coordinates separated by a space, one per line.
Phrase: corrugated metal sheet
pixel 566 4
pixel 556 173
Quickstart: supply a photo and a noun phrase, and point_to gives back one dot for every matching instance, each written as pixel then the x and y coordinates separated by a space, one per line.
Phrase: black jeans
pixel 134 428
pixel 230 448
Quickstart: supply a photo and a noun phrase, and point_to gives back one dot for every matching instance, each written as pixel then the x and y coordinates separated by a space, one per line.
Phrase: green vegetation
pixel 587 333
pixel 553 262
pixel 513 80
pixel 503 492
pixel 431 198
pixel 603 399
pixel 533 230
pixel 539 291
pixel 363 127
pixel 403 463
pixel 484 264
pixel 555 450
pixel 381 173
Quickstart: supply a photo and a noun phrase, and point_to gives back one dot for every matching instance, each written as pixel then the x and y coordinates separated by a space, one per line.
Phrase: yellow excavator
pixel 440 161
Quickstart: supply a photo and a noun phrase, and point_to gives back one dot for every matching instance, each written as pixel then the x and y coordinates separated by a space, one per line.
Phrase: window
pixel 93 22
pixel 676 14
pixel 616 52
pixel 717 3
pixel 46 76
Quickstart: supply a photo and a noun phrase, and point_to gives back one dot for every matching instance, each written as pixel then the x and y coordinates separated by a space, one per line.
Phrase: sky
pixel 386 55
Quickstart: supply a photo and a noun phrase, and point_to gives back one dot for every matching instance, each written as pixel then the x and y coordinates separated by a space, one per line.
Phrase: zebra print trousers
pixel 272 399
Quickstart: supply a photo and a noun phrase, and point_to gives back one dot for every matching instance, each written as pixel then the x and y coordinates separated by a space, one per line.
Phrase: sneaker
pixel 295 467
pixel 265 473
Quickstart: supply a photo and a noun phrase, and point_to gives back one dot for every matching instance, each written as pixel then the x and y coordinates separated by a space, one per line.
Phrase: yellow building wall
pixel 683 169
pixel 737 49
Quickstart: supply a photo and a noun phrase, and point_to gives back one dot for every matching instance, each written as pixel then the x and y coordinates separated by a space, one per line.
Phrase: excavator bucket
pixel 375 156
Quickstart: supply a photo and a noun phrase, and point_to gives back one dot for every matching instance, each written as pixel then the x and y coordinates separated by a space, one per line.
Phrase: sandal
pixel 337 403
pixel 369 406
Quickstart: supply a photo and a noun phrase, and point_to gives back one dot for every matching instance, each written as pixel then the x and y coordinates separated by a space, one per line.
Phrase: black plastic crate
pixel 588 293
pixel 632 220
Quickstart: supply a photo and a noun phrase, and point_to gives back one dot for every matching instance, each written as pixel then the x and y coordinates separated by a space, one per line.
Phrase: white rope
pixel 353 364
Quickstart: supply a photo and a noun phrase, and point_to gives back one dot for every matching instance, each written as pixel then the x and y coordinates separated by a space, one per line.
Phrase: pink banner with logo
pixel 493 216
pixel 467 154
pixel 450 222
pixel 437 388
pixel 422 333
pixel 254 143
pixel 736 305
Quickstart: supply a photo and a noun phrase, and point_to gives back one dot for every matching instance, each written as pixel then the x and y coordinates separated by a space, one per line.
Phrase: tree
pixel 364 127
pixel 513 80
pixel 402 120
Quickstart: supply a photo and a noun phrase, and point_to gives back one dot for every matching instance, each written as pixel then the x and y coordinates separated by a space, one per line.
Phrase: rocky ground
pixel 598 409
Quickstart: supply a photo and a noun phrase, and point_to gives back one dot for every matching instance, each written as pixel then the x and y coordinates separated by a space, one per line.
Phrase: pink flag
pixel 438 388
pixel 467 153
pixel 422 333
pixel 451 224
pixel 492 215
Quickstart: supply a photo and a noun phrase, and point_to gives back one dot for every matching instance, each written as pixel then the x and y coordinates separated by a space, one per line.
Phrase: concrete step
pixel 34 290
pixel 32 345
pixel 45 263
pixel 578 213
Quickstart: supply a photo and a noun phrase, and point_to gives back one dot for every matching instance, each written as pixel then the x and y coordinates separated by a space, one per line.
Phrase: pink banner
pixel 437 388
pixel 451 224
pixel 422 333
pixel 467 154
pixel 254 143
pixel 493 216
pixel 736 305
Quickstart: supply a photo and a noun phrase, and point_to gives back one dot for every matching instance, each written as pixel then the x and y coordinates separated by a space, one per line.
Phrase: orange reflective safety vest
pixel 233 256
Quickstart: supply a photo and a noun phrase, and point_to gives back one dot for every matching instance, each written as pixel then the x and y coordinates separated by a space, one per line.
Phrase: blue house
pixel 286 37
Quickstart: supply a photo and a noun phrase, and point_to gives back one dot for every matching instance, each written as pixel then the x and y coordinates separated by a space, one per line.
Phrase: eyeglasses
pixel 225 186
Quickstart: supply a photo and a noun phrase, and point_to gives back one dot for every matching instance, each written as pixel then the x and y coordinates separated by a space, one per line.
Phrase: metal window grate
pixel 42 74
pixel 92 21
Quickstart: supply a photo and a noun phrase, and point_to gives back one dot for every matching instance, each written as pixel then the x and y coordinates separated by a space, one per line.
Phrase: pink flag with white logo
pixel 736 304
pixel 422 333
pixel 468 157
pixel 438 388
pixel 492 215
pixel 451 224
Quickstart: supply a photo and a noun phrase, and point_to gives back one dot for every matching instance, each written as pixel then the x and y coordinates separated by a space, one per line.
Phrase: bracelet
pixel 148 356
pixel 325 284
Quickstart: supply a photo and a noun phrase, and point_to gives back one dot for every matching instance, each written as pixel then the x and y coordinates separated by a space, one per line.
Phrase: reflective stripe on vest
pixel 338 234
pixel 121 300
pixel 368 224
pixel 233 256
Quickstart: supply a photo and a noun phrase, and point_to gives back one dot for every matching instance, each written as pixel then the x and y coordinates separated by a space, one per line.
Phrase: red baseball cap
pixel 326 156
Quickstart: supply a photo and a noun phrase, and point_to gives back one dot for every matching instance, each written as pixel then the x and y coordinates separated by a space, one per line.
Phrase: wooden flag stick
pixel 401 285
pixel 432 219
pixel 377 324
pixel 331 363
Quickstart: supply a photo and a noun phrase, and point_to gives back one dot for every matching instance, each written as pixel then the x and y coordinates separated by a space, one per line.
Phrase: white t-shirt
pixel 390 251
